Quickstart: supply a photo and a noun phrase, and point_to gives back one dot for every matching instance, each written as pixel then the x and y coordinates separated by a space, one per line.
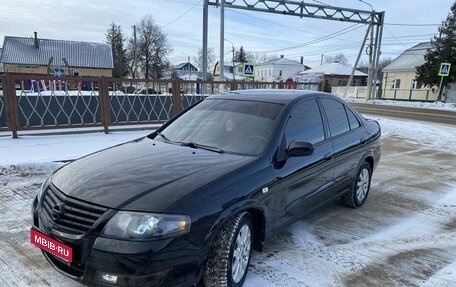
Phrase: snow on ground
pixel 405 235
pixel 47 148
pixel 427 105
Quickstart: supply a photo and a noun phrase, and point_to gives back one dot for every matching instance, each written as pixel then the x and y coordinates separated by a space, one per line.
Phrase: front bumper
pixel 100 261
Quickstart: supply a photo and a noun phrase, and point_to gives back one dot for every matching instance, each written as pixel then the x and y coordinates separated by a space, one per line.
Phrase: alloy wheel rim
pixel 362 186
pixel 241 253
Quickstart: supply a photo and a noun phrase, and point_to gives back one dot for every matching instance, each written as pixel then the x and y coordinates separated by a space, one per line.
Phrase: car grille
pixel 77 216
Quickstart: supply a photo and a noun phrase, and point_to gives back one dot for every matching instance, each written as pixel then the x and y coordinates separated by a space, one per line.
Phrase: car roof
pixel 266 95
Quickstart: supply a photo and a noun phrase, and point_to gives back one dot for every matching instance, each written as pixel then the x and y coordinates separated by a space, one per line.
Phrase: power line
pixel 183 2
pixel 409 36
pixel 400 42
pixel 274 23
pixel 282 25
pixel 181 16
pixel 327 37
pixel 411 24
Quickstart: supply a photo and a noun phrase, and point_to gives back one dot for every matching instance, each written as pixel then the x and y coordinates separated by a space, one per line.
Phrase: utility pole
pixel 232 49
pixel 370 68
pixel 205 24
pixel 188 67
pixel 378 45
pixel 232 46
pixel 304 9
pixel 222 35
pixel 135 59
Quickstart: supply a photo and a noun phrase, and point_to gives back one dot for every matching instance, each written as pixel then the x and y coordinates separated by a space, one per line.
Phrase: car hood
pixel 143 175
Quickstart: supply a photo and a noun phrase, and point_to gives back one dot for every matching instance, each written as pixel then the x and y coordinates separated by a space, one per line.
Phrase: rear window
pixel 337 118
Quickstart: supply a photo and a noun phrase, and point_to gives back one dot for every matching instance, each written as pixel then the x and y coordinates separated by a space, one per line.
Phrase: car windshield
pixel 231 126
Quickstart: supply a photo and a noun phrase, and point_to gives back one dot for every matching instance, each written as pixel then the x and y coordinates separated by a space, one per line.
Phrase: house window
pixel 396 84
pixel 416 85
pixel 280 73
pixel 270 72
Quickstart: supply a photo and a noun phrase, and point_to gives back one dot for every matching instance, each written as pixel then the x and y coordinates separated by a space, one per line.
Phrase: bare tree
pixel 153 48
pixel 133 57
pixel 259 58
pixel 210 59
pixel 339 58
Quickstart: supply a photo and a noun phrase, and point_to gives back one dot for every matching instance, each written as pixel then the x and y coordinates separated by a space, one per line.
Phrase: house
pixel 24 55
pixel 231 71
pixel 186 71
pixel 399 77
pixel 279 69
pixel 331 75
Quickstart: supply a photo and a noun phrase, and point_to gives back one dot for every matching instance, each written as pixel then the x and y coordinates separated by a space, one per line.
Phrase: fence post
pixel 176 97
pixel 280 85
pixel 11 104
pixel 105 107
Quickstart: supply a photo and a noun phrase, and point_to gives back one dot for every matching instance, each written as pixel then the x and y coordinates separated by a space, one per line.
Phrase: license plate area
pixel 51 245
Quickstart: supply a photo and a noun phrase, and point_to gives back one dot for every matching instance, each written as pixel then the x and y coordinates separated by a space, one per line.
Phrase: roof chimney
pixel 302 60
pixel 37 42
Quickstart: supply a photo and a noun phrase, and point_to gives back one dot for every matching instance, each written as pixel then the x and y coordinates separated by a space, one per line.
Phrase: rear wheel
pixel 359 190
pixel 230 253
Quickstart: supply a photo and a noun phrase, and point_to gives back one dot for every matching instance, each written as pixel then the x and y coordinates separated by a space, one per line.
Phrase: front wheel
pixel 359 190
pixel 230 253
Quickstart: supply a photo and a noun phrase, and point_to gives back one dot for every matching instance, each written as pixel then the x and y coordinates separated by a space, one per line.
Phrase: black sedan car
pixel 187 204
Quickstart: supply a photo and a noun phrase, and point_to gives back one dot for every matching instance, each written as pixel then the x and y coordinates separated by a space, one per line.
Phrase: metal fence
pixel 425 95
pixel 43 102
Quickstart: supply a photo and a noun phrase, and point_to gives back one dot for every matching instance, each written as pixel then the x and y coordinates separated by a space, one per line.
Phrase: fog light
pixel 105 277
pixel 131 280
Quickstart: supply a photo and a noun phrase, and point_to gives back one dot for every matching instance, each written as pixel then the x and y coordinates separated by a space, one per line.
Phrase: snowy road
pixel 405 235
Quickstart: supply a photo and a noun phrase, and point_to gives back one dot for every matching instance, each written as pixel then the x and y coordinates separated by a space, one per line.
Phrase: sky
pixel 408 22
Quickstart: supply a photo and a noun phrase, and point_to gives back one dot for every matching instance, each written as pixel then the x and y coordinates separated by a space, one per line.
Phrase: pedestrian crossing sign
pixel 444 69
pixel 248 70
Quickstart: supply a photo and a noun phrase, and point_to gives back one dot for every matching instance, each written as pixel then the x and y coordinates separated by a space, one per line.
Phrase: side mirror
pixel 299 148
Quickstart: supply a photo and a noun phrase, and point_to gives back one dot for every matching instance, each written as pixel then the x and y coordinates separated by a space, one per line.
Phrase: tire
pixel 229 256
pixel 360 187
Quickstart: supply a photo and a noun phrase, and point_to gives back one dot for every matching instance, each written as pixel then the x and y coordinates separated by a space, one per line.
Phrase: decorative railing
pixel 41 102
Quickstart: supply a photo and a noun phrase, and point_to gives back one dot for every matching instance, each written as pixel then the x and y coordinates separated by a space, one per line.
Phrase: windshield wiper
pixel 206 147
pixel 164 137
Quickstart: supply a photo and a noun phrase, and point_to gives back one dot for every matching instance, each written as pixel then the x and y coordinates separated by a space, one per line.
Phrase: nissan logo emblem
pixel 58 211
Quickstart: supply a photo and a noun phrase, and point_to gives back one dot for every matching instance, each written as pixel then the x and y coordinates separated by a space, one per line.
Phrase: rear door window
pixel 354 123
pixel 337 118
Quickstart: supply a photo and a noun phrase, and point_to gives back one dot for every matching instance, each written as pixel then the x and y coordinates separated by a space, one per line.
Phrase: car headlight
pixel 143 226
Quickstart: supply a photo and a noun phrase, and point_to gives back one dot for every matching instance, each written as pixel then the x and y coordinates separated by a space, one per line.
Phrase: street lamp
pixel 232 48
pixel 372 8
